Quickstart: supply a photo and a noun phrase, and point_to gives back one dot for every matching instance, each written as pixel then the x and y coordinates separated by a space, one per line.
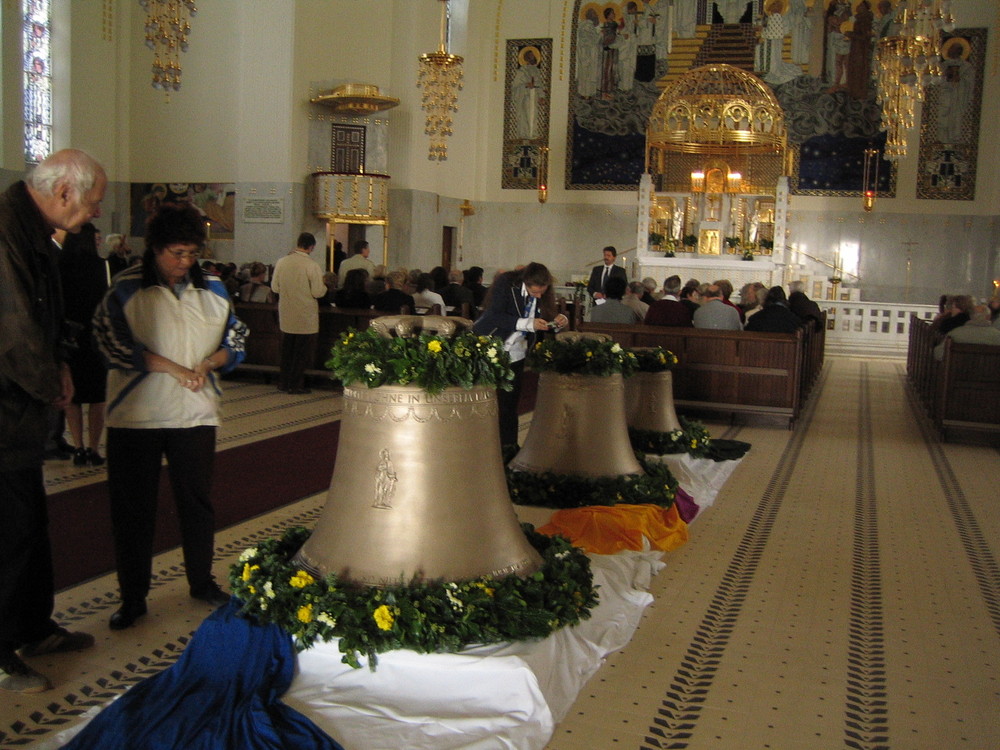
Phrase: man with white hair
pixel 62 193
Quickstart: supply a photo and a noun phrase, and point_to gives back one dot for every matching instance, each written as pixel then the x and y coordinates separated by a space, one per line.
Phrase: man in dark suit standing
pixel 518 306
pixel 600 274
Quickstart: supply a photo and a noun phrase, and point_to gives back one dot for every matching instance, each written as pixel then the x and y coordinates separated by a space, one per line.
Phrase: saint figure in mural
pixel 628 46
pixel 685 18
pixel 609 53
pixel 799 22
pixel 859 57
pixel 588 53
pixel 770 65
pixel 883 26
pixel 954 90
pixel 731 10
pixel 647 27
pixel 838 48
pixel 528 93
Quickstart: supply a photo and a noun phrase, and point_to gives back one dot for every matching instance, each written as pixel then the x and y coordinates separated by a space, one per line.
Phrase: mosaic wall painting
pixel 618 53
pixel 215 201
pixel 817 56
pixel 526 110
pixel 949 125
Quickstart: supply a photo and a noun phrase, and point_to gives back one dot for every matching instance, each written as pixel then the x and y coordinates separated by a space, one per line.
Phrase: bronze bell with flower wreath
pixel 418 489
pixel 649 399
pixel 579 424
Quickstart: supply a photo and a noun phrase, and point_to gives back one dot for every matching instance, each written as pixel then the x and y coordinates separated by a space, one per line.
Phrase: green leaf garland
pixel 692 438
pixel 428 361
pixel 423 616
pixel 546 489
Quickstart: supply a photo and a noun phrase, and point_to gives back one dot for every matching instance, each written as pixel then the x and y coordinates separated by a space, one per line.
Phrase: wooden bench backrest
pixel 757 371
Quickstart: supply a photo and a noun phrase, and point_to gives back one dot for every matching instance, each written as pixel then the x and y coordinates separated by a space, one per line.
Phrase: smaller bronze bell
pixel 649 402
pixel 579 426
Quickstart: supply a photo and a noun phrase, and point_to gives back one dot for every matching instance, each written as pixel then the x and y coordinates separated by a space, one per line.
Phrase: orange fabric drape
pixel 606 529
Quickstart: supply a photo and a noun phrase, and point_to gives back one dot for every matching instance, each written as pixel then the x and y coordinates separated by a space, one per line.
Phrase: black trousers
pixel 296 353
pixel 26 577
pixel 507 402
pixel 134 458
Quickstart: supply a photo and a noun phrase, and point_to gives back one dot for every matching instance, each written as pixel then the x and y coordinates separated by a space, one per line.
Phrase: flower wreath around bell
pixel 657 486
pixel 425 616
pixel 654 359
pixel 581 356
pixel 692 438
pixel 432 362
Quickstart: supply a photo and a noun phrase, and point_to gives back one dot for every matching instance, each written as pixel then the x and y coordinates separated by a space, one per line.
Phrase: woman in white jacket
pixel 165 328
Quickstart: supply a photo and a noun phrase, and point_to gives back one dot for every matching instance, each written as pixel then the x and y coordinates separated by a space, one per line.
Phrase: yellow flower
pixel 434 346
pixel 301 579
pixel 252 589
pixel 305 614
pixel 384 617
pixel 589 355
pixel 486 589
pixel 248 570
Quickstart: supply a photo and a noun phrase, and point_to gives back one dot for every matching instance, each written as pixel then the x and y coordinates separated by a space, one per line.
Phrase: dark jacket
pixel 31 315
pixel 391 300
pixel 506 307
pixel 774 319
pixel 804 307
pixel 596 276
pixel 455 295
pixel 669 312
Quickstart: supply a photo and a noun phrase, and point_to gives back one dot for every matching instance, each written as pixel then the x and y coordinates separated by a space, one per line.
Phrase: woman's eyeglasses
pixel 182 254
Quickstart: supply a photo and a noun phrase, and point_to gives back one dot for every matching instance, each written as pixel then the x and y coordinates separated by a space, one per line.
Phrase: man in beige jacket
pixel 298 282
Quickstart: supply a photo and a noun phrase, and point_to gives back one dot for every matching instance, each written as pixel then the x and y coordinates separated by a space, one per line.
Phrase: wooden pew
pixel 727 371
pixel 961 393
pixel 264 341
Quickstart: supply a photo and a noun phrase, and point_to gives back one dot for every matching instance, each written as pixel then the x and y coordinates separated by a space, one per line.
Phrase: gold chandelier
pixel 167 28
pixel 905 63
pixel 440 77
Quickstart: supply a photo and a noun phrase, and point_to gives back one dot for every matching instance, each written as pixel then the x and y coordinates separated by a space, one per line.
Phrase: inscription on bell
pixel 418 398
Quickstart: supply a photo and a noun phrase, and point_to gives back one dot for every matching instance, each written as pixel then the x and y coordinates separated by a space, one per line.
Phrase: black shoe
pixel 130 611
pixel 93 458
pixel 212 595
pixel 80 457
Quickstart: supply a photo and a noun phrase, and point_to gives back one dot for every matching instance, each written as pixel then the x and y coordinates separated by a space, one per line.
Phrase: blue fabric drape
pixel 222 693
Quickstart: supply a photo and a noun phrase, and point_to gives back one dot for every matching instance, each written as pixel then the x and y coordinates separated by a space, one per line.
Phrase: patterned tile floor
pixel 843 592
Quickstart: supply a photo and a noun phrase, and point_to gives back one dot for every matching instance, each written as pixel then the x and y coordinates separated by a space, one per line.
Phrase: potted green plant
pixel 655 240
pixel 690 241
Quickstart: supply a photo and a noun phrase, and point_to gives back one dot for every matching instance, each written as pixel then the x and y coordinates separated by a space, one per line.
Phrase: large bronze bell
pixel 578 427
pixel 418 489
pixel 649 402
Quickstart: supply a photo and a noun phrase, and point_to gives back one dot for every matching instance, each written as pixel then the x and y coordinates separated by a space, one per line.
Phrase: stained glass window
pixel 37 80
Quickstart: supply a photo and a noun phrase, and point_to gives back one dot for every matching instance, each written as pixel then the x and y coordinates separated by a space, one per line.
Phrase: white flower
pixel 263 604
pixel 326 619
pixel 269 590
pixel 616 348
pixel 372 369
pixel 492 352
pixel 248 553
pixel 456 603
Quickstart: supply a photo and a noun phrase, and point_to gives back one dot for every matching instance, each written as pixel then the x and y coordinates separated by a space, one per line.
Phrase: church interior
pixel 842 587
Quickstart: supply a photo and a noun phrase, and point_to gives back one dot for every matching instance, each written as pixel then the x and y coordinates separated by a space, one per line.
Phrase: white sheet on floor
pixel 507 696
pixel 702 478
